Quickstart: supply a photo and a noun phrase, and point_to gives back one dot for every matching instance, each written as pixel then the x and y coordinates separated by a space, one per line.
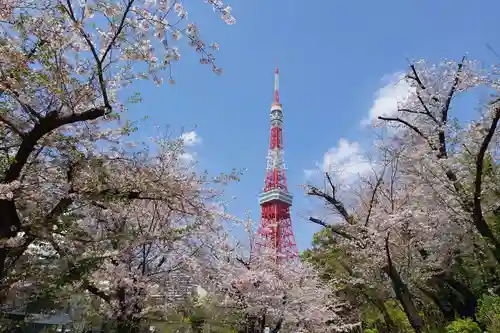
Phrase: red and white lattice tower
pixel 275 230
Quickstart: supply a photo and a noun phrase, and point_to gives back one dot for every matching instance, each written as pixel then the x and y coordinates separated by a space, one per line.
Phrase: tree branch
pixel 412 111
pixel 426 112
pixel 477 213
pixel 339 206
pixel 446 106
pixel 333 228
pixel 417 79
pixel 445 110
pixel 72 267
pixel 118 31
pixel 47 124
pixel 412 127
pixel 278 325
pixel 243 262
pixel 15 253
pixel 372 200
pixel 12 126
pixel 94 290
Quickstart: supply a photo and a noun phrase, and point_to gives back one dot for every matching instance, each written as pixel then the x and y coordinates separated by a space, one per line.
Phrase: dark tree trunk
pixel 441 302
pixel 277 327
pixel 402 292
pixel 379 304
pixel 406 298
pixel 126 321
pixel 468 304
pixel 9 226
pixel 257 323
pixel 249 325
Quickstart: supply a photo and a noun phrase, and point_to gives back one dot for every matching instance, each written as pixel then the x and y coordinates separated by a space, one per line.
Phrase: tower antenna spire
pixel 276 85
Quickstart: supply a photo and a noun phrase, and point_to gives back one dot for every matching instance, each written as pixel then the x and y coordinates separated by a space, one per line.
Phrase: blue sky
pixel 335 58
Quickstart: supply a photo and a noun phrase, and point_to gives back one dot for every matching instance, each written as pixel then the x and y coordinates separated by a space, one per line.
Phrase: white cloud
pixel 346 161
pixel 188 157
pixel 191 138
pixel 395 91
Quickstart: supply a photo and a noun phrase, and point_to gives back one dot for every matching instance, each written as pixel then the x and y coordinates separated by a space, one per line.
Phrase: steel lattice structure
pixel 275 231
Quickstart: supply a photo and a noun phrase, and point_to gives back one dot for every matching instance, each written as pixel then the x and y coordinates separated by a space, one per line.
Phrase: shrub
pixel 463 326
pixel 488 312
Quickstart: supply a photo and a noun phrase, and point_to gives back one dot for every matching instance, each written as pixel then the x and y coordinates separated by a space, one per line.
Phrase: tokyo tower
pixel 275 229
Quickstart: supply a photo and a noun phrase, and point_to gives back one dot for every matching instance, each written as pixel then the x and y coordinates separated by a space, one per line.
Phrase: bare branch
pixel 446 106
pixel 373 198
pixel 404 122
pixel 333 228
pixel 445 110
pixel 416 77
pixel 425 113
pixel 339 206
pixel 243 262
pixel 412 127
pixel 411 111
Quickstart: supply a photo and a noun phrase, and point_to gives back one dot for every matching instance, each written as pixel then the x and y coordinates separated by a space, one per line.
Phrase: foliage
pixel 371 330
pixel 372 319
pixel 463 326
pixel 489 312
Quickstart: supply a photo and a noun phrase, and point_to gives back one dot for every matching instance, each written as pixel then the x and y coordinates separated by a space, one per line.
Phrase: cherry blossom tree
pixel 451 159
pixel 425 201
pixel 137 251
pixel 281 295
pixel 400 228
pixel 369 240
pixel 337 266
pixel 62 65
